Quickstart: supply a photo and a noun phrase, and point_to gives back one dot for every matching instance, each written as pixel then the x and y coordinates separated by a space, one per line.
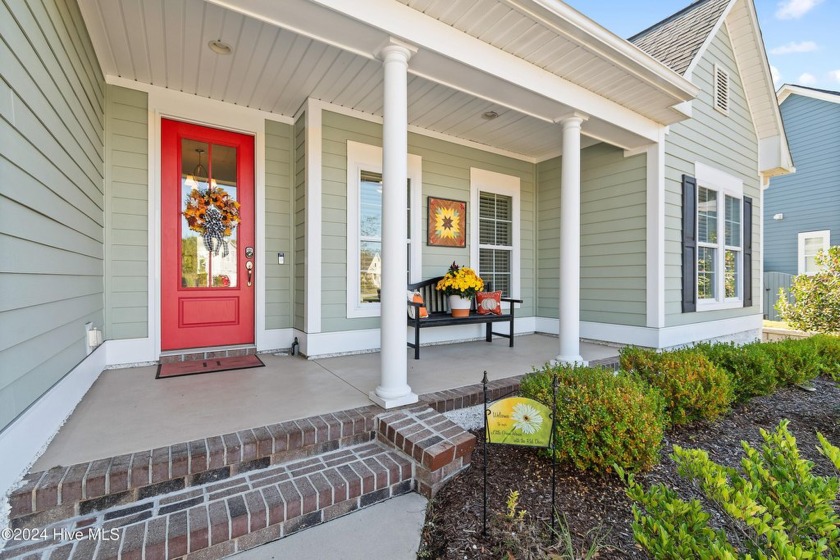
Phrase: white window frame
pixel 825 234
pixel 725 185
pixel 365 157
pixel 482 180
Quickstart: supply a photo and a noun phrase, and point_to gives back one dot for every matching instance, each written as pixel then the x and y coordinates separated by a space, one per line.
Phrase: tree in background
pixel 816 305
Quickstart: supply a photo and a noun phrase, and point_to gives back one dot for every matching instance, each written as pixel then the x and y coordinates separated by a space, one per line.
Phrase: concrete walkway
pixel 387 530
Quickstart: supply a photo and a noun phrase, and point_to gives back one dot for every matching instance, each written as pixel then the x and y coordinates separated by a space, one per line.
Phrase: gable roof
pixel 822 94
pixel 680 42
pixel 676 40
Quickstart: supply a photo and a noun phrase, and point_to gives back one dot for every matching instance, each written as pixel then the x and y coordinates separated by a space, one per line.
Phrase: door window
pixel 209 215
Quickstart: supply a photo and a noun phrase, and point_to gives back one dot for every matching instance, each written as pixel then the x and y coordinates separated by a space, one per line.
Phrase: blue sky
pixel 802 37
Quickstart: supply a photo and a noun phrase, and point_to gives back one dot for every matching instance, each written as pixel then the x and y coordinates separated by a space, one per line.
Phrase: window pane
pixel 733 221
pixel 494 269
pixel 504 234
pixel 811 265
pixel 209 194
pixel 370 206
pixel 706 215
pixel 370 271
pixel 813 245
pixel 732 273
pixel 706 283
pixel 486 232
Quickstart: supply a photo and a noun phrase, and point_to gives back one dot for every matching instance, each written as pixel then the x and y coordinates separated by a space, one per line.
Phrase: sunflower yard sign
pixel 519 421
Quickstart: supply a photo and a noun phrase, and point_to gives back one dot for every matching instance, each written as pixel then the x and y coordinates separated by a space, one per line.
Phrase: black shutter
pixel 748 299
pixel 689 244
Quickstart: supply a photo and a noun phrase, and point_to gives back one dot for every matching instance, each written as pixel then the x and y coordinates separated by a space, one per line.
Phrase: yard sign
pixel 520 421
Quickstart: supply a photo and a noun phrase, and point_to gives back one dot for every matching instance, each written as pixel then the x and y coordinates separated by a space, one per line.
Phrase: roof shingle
pixel 675 40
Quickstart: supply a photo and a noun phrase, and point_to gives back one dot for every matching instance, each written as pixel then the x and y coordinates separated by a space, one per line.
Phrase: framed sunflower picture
pixel 447 223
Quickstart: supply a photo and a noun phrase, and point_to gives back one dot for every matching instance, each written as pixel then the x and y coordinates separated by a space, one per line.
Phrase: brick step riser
pixel 229 516
pixel 64 492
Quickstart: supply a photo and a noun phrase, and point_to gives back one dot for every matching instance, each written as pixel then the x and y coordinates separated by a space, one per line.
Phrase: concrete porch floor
pixel 128 410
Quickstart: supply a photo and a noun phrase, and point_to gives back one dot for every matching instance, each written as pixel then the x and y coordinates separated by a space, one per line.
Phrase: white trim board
pixel 26 438
pixel 367 340
pixel 668 337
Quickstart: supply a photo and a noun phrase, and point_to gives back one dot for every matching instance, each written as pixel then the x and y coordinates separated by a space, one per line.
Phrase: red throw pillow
pixel 487 303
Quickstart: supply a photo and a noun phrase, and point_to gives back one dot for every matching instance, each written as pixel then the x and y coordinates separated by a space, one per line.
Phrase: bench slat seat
pixel 436 304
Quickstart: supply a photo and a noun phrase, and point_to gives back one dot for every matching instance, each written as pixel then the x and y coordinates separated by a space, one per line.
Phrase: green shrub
pixel 795 360
pixel 602 419
pixel 816 305
pixel 749 367
pixel 828 354
pixel 782 510
pixel 692 386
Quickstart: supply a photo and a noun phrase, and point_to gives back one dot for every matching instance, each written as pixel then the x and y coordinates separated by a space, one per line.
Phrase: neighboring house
pixel 614 186
pixel 802 211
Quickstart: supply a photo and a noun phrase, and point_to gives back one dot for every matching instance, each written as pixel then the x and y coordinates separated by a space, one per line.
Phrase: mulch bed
pixel 597 505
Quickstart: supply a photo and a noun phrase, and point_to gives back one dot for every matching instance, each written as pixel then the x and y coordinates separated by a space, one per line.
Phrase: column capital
pixel 572 118
pixel 394 48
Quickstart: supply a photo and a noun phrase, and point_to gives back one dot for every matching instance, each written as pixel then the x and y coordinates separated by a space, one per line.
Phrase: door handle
pixel 249 266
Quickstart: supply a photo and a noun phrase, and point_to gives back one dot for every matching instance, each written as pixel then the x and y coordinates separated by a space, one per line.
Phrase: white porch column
pixel 393 389
pixel 570 242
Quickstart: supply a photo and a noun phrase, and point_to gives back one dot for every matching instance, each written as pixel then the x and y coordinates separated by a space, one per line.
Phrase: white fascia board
pixel 790 89
pixel 774 157
pixel 441 45
pixel 567 21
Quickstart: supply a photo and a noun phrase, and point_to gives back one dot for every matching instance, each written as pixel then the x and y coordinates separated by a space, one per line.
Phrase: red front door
pixel 207 251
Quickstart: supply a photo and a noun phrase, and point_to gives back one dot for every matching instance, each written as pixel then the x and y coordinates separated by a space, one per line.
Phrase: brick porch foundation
pixel 213 497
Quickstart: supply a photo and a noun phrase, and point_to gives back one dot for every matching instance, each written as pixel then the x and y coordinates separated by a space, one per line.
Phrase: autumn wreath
pixel 214 214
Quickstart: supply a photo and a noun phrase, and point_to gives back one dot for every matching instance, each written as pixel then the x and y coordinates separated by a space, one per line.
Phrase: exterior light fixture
pixel 489 115
pixel 779 216
pixel 220 47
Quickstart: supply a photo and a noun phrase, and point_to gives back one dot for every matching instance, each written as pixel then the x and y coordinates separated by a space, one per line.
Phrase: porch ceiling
pixel 284 53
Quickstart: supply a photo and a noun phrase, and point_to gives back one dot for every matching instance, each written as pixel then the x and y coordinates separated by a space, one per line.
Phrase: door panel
pixel 207 221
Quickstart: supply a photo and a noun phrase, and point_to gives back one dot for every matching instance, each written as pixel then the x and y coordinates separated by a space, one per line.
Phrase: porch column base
pixel 569 361
pixel 393 402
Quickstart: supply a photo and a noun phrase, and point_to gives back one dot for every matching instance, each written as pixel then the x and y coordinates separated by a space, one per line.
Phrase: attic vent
pixel 721 90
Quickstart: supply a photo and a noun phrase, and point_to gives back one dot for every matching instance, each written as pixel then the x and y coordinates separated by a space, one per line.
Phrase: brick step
pixel 220 518
pixel 66 491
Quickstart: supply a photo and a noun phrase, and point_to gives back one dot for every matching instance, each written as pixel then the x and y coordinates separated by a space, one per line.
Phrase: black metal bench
pixel 436 304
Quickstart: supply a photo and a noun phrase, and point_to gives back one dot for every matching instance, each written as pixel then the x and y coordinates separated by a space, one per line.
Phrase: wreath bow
pixel 213 214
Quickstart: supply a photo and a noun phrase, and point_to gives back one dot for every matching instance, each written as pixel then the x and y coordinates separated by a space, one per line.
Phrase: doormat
pixel 192 367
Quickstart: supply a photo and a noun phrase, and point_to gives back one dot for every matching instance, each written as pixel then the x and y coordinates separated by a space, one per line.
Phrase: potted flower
pixel 460 284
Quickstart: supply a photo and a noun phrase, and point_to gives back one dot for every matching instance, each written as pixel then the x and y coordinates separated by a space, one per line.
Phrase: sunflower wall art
pixel 447 223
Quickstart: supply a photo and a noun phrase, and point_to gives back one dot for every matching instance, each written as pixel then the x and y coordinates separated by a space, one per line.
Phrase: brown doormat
pixel 192 367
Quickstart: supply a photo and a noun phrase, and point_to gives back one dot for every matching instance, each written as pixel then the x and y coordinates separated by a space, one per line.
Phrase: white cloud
pixel 807 79
pixel 777 77
pixel 795 9
pixel 835 75
pixel 794 47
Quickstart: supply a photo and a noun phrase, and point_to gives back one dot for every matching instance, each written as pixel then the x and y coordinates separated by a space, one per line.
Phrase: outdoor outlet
pixel 93 337
pixel 281 258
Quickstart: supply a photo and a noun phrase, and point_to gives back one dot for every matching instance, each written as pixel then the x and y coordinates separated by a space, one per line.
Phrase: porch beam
pixel 393 389
pixel 570 241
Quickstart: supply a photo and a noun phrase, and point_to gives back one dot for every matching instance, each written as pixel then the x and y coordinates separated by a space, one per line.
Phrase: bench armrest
pixel 511 300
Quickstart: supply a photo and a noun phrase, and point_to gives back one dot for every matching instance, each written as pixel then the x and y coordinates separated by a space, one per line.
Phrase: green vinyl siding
pixel 613 237
pixel 446 174
pixel 279 216
pixel 51 197
pixel 127 216
pixel 299 256
pixel 725 142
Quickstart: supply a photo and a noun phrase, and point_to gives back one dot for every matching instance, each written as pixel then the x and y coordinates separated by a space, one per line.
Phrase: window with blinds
pixel 495 240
